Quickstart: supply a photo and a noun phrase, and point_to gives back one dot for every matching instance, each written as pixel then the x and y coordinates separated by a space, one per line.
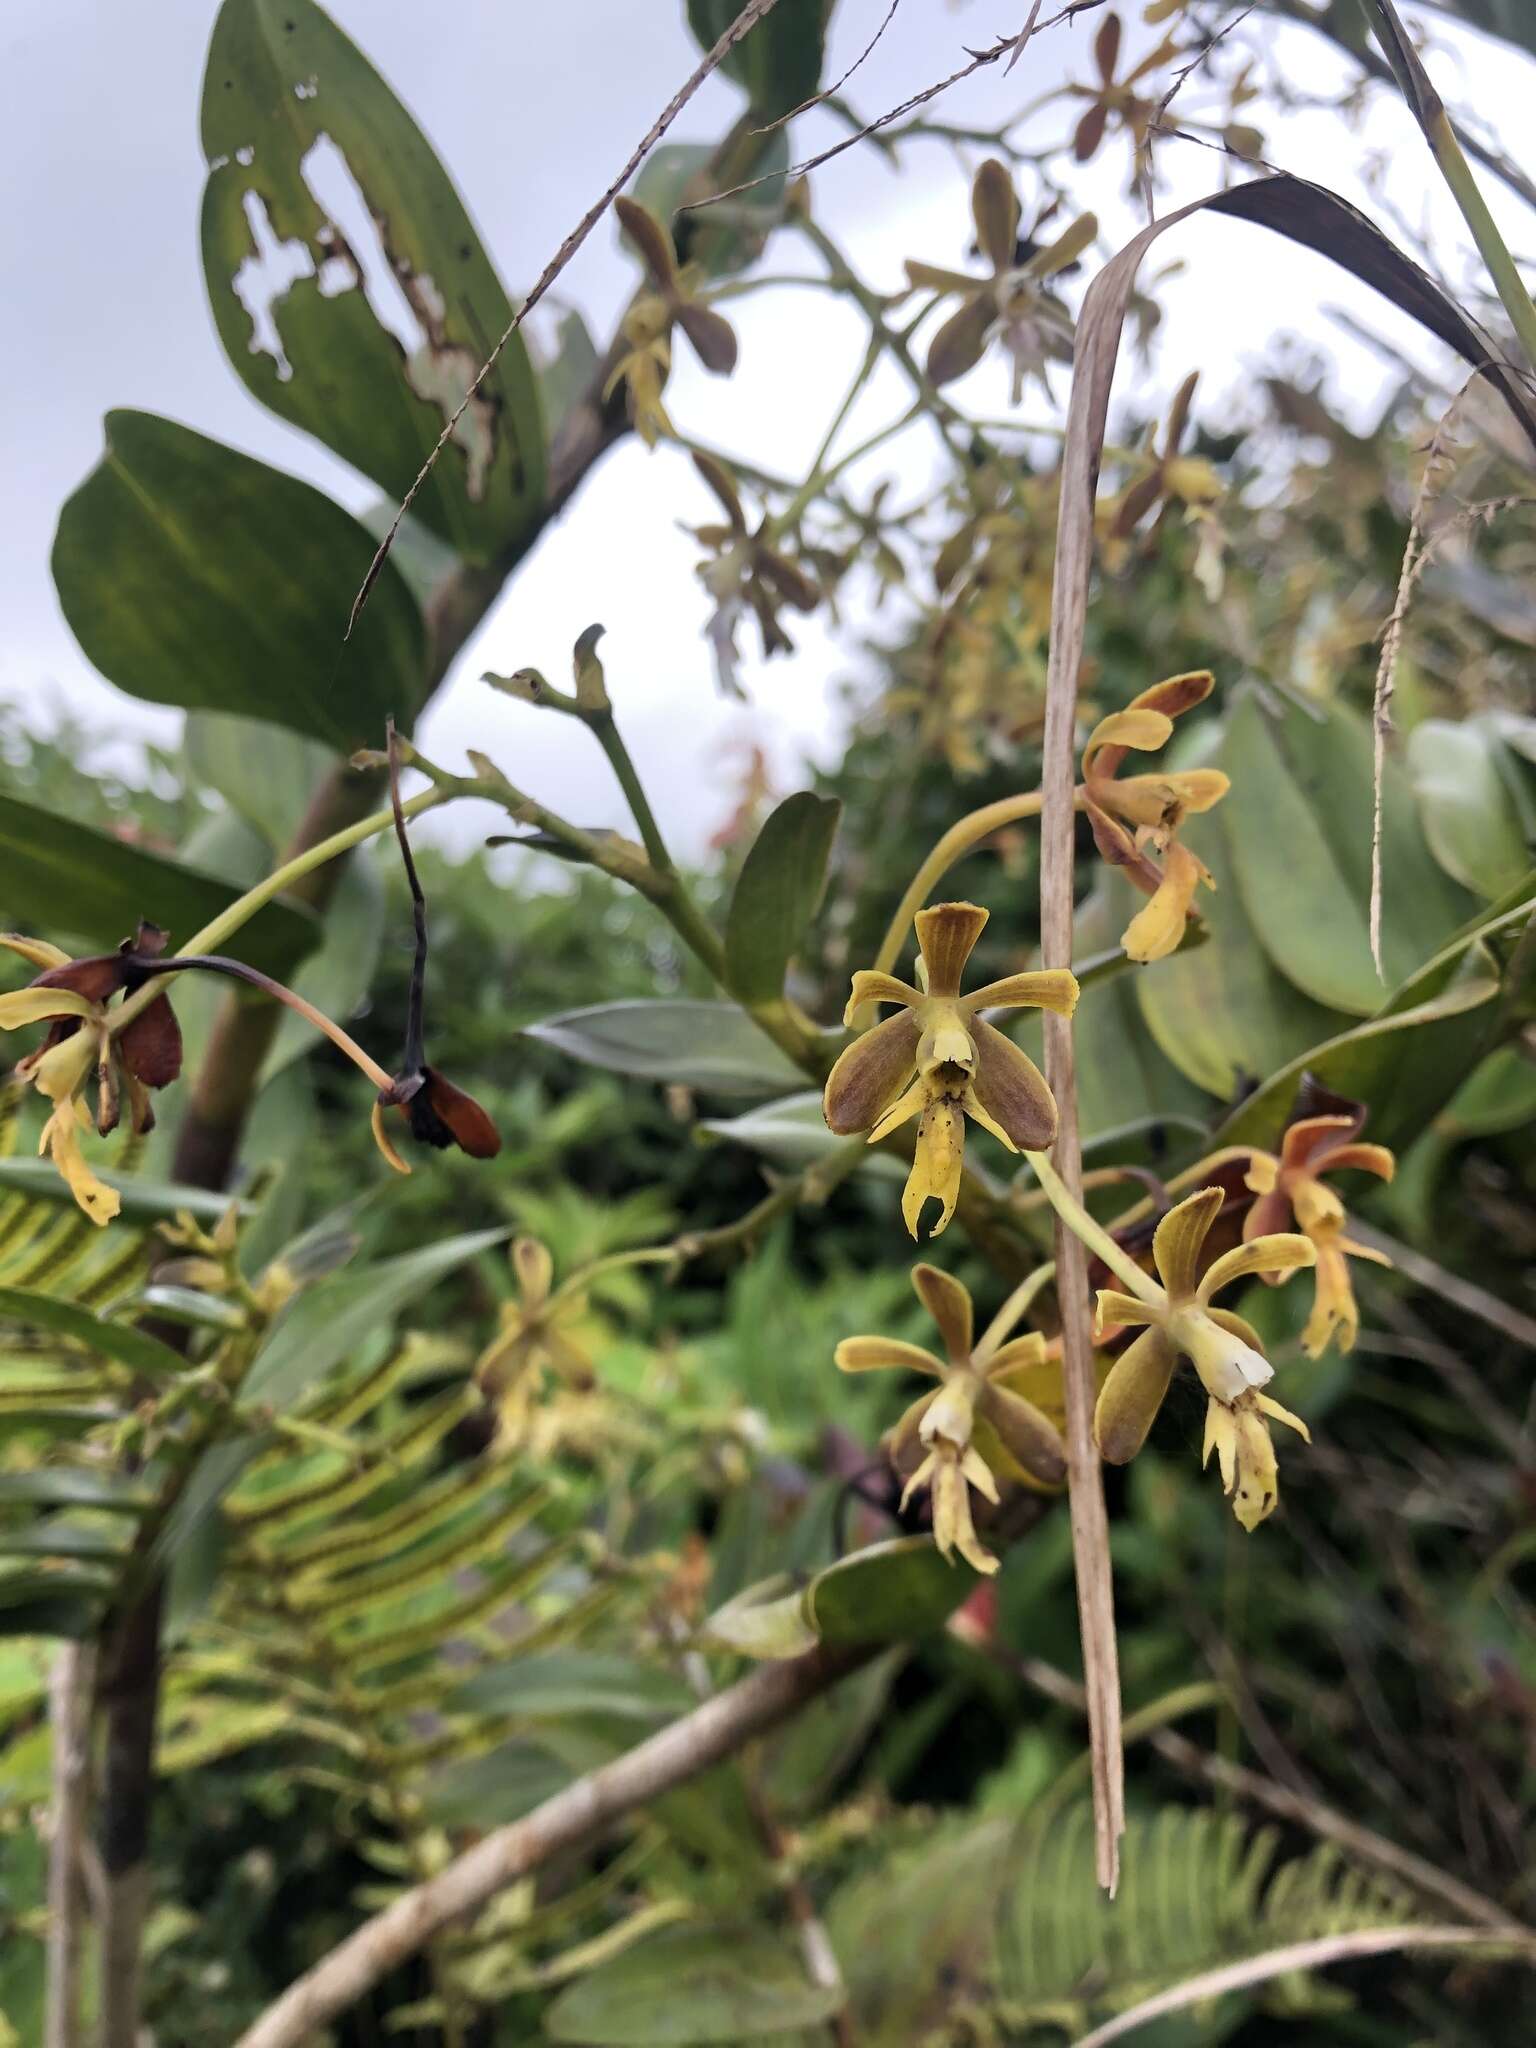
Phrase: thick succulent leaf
pixel 1464 777
pixel 319 1330
pixel 1298 823
pixel 1406 1062
pixel 888 1593
pixel 567 1682
pixel 193 575
pixel 693 1984
pixel 777 63
pixel 793 1132
pixel 327 210
pixel 1222 1013
pixel 60 876
pixel 711 1046
pixel 777 894
pixel 266 774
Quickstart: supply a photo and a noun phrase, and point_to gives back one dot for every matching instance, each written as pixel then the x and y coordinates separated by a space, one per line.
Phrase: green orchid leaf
pixel 69 1486
pixel 324 1325
pixel 793 1132
pixel 328 213
pixel 777 63
pixel 195 576
pixel 888 1593
pixel 567 371
pixel 120 1341
pixel 777 894
pixel 1463 776
pixel 1407 1061
pixel 766 1621
pixel 144 1201
pixel 61 877
pixel 726 238
pixel 1222 1013
pixel 1301 855
pixel 567 1682
pixel 714 1047
pixel 265 773
pixel 693 1984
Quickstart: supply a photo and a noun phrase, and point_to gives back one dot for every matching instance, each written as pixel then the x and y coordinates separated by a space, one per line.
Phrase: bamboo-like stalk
pixel 70 1686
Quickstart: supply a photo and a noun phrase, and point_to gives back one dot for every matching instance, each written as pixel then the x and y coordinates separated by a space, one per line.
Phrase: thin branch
pixel 1278 1962
pixel 713 1731
pixel 749 17
pixel 831 91
pixel 1463 1294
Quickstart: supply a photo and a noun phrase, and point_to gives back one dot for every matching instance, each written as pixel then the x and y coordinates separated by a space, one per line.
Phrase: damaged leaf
pixel 349 287
pixel 192 575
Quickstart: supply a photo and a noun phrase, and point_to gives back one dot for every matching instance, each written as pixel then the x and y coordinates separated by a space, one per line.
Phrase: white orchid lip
pixel 1226 1365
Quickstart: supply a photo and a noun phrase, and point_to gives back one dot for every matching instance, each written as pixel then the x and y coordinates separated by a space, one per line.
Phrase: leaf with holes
pixel 193 575
pixel 62 877
pixel 777 894
pixel 348 284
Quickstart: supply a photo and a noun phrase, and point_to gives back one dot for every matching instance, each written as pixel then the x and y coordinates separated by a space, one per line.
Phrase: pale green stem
pixel 1093 1235
pixel 613 1262
pixel 1004 1322
pixel 965 833
pixel 228 922
pixel 819 473
pixel 1194 1176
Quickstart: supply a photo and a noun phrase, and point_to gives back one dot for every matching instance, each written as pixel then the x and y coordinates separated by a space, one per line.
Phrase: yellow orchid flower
pixel 1291 1186
pixel 1178 1321
pixel 1135 816
pixel 71 996
pixel 970 1430
pixel 936 1059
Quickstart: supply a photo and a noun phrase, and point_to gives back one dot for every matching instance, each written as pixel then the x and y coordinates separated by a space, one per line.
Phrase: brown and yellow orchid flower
pixel 1291 1187
pixel 534 1335
pixel 1136 816
pixel 936 1059
pixel 971 1429
pixel 671 300
pixel 1165 480
pixel 72 997
pixel 1177 1321
pixel 745 571
pixel 1012 304
pixel 1113 99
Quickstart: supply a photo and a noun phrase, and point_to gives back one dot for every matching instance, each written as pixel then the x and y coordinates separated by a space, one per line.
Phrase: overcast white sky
pixel 533 108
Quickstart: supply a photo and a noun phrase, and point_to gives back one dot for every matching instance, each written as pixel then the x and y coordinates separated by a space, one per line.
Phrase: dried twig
pixel 1277 1962
pixel 749 17
pixel 829 92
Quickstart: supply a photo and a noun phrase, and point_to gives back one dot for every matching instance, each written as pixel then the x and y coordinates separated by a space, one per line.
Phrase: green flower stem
pixel 965 833
pixel 605 728
pixel 1194 1176
pixel 611 1262
pixel 228 922
pixel 1097 1239
pixel 807 1189
pixel 1003 1324
pixel 816 481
